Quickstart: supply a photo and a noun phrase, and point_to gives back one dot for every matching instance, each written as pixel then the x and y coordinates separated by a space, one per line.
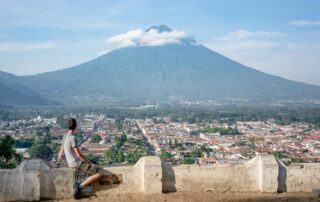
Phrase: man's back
pixel 69 142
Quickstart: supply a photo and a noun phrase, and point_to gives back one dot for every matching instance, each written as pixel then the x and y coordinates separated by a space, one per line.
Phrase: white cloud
pixel 244 40
pixel 245 45
pixel 23 46
pixel 139 37
pixel 245 34
pixel 304 22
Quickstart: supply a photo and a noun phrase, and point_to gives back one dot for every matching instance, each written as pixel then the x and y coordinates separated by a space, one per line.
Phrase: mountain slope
pixel 169 72
pixel 177 71
pixel 14 82
pixel 10 96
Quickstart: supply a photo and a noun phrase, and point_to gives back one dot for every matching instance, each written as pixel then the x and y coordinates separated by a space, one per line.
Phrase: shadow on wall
pixel 282 177
pixel 168 178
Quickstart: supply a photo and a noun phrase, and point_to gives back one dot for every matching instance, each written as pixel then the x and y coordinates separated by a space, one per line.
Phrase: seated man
pixel 76 160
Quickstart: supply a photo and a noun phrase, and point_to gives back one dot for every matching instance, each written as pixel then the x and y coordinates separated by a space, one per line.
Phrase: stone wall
pixel 33 180
pixel 257 175
pixel 22 183
pixel 239 178
pixel 144 177
pixel 303 177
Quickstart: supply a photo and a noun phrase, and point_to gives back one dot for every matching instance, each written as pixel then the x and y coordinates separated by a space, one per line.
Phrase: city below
pixel 113 141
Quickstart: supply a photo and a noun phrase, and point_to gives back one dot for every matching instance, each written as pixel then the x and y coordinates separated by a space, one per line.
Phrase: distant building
pixel 94 147
pixel 209 136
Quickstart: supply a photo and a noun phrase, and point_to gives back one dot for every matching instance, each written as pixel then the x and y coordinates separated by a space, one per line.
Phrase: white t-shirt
pixel 68 142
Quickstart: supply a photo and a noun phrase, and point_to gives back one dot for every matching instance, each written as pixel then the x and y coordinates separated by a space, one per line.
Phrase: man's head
pixel 72 124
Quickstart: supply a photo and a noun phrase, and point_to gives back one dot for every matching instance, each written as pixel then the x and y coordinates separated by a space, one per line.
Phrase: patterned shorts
pixel 88 168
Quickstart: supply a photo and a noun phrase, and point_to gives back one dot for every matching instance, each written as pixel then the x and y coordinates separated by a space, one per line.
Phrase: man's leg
pixel 93 178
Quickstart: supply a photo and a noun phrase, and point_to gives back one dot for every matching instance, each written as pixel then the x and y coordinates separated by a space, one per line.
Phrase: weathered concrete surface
pixel 262 174
pixel 57 183
pixel 33 180
pixel 303 177
pixel 152 175
pixel 269 171
pixel 227 178
pixel 131 181
pixel 144 177
pixel 22 183
pixel 11 185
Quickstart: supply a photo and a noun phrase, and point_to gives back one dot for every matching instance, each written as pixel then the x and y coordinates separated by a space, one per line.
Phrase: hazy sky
pixel 277 37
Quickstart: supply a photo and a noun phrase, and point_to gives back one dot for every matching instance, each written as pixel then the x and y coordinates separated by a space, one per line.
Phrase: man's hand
pixel 54 164
pixel 60 156
pixel 80 155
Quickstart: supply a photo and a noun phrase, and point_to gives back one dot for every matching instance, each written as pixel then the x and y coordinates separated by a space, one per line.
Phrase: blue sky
pixel 277 37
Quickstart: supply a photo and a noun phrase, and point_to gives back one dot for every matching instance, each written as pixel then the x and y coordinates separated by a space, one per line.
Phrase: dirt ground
pixel 203 197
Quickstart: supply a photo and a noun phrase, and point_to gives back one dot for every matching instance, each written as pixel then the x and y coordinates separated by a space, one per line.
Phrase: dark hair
pixel 72 123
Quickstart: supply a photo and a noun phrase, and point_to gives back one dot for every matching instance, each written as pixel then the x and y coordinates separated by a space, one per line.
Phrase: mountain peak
pixel 160 28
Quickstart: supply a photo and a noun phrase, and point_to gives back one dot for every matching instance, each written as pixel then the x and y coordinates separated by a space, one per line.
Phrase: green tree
pixel 54 147
pixel 46 130
pixel 8 156
pixel 79 137
pixel 47 139
pixel 278 154
pixel 93 158
pixel 296 160
pixel 111 155
pixel 120 141
pixel 7 151
pixel 196 153
pixel 120 156
pixel 133 157
pixel 39 140
pixel 95 139
pixel 164 154
pixel 41 151
pixel 188 161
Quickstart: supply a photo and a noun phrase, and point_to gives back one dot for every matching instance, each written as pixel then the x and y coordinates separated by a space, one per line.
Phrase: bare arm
pixel 60 154
pixel 80 155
